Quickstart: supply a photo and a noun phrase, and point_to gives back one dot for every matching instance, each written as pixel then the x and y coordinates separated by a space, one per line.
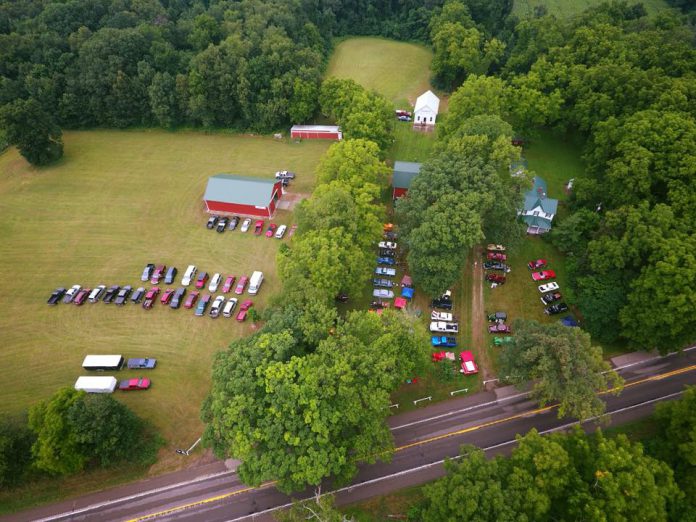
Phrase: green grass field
pixel 410 145
pixel 399 71
pixel 567 8
pixel 115 202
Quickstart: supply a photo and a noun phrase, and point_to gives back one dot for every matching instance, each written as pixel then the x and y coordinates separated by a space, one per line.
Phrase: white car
pixel 548 287
pixel 189 275
pixel 230 305
pixel 284 174
pixel 444 327
pixel 281 231
pixel 245 225
pixel 382 271
pixel 217 306
pixel 441 316
pixel 214 283
pixel 96 293
pixel 70 294
pixel 387 244
pixel 383 293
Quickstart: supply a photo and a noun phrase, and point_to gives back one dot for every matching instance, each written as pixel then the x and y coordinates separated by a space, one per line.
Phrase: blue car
pixel 444 341
pixel 202 305
pixel 386 261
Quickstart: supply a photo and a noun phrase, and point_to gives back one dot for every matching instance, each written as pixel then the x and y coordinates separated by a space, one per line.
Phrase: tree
pixel 33 131
pixel 563 366
pixel 477 95
pixel 304 102
pixel 320 508
pixel 15 451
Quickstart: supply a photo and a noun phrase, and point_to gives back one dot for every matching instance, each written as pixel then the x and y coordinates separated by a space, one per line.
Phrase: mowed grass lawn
pixel 115 202
pixel 399 71
pixel 566 8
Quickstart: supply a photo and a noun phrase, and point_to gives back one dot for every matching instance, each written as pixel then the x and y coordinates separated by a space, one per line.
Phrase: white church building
pixel 425 113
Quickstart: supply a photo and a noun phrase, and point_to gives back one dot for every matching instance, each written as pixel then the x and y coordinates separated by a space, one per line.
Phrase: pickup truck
pixel 444 327
pixel 441 316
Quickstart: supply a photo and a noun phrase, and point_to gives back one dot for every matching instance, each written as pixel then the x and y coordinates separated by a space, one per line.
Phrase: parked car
pixel 111 294
pixel 386 261
pixel 150 297
pixel 497 317
pixel 230 305
pixel 138 295
pixel 468 365
pixel 202 305
pixel 271 229
pixel 244 310
pixel 495 248
pixel 177 298
pixel 258 227
pixel 96 294
pixel 441 302
pixel 499 341
pixel 496 265
pixel 385 252
pixel 284 174
pixel 239 290
pixel 147 272
pixel 442 316
pixel 544 275
pixel 557 308
pixel 381 282
pixel 281 231
pixel 201 280
pixel 341 298
pixel 378 305
pixel 537 264
pixel 71 293
pixel 496 278
pixel 189 275
pixel 496 256
pixel 498 328
pixel 215 282
pixel 444 327
pixel 158 274
pixel 403 117
pixel 228 284
pixel 221 225
pixel 245 225
pixel 170 276
pixel 142 364
pixel 81 296
pixel 140 383
pixel 234 221
pixel 191 299
pixel 548 287
pixel 55 296
pixel 387 244
pixel 383 271
pixel 390 235
pixel 216 307
pixel 382 293
pixel 401 112
pixel 123 294
pixel 443 341
pixel 550 297
pixel 167 296
pixel 212 222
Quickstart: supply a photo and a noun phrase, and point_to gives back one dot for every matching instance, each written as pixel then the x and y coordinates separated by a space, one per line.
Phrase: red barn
pixel 316 132
pixel 230 194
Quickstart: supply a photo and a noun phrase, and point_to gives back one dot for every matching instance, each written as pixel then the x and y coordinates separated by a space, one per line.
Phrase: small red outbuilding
pixel 316 132
pixel 231 194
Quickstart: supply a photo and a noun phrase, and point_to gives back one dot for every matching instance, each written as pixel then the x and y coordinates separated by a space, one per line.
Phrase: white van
pixel 189 275
pixel 255 283
pixel 229 307
pixel 96 384
pixel 96 293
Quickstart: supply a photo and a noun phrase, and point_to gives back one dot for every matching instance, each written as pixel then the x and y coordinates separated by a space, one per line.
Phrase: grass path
pixel 478 315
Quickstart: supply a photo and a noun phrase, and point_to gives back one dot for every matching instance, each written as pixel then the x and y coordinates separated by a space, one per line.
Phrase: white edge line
pixel 439 462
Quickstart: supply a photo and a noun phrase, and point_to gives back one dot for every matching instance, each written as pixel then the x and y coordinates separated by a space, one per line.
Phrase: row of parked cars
pixel 382 284
pixel 222 223
pixel 495 264
pixel 444 322
pixel 551 297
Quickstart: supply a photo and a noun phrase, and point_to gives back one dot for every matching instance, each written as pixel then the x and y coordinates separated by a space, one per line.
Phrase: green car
pixel 498 341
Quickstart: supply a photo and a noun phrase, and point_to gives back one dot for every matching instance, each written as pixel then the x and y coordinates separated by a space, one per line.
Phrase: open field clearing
pixel 566 8
pixel 117 201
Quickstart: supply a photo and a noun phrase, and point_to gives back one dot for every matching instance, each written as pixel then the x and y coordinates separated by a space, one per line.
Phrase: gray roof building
pixel 404 172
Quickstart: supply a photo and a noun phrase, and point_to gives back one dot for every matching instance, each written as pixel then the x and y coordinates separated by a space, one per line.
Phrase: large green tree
pixel 16 440
pixel 28 126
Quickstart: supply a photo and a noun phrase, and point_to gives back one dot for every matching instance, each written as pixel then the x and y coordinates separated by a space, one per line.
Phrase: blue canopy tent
pixel 407 292
pixel 569 320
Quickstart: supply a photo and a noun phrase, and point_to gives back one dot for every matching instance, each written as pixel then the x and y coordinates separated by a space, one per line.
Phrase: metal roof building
pixel 232 194
pixel 404 172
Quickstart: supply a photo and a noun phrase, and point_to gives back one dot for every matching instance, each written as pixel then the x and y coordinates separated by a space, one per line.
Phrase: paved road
pixel 423 439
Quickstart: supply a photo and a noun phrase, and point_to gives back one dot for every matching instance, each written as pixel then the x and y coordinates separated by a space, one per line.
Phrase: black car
pixel 171 274
pixel 212 221
pixel 390 236
pixel 221 225
pixel 341 298
pixel 385 252
pixel 556 309
pixel 111 293
pixel 551 297
pixel 55 296
pixel 234 221
pixel 442 302
pixel 138 295
pixel 123 294
pixel 380 282
pixel 495 265
pixel 177 298
pixel 147 272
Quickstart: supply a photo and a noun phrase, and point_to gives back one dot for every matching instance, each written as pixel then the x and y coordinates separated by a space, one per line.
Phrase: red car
pixel 150 297
pixel 241 285
pixel 158 274
pixel 468 365
pixel 141 383
pixel 537 264
pixel 202 280
pixel 228 284
pixel 191 300
pixel 544 275
pixel 496 278
pixel 258 227
pixel 243 310
pixel 496 256
pixel 81 296
pixel 271 229
pixel 167 296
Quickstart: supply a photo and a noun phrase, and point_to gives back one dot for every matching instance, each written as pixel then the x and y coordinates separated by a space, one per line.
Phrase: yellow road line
pixel 419 443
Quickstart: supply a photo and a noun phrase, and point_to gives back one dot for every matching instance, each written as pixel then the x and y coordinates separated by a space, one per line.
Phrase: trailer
pixel 96 384
pixel 103 362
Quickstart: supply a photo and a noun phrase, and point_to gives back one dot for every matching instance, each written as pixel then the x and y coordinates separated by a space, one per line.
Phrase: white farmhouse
pixel 426 109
